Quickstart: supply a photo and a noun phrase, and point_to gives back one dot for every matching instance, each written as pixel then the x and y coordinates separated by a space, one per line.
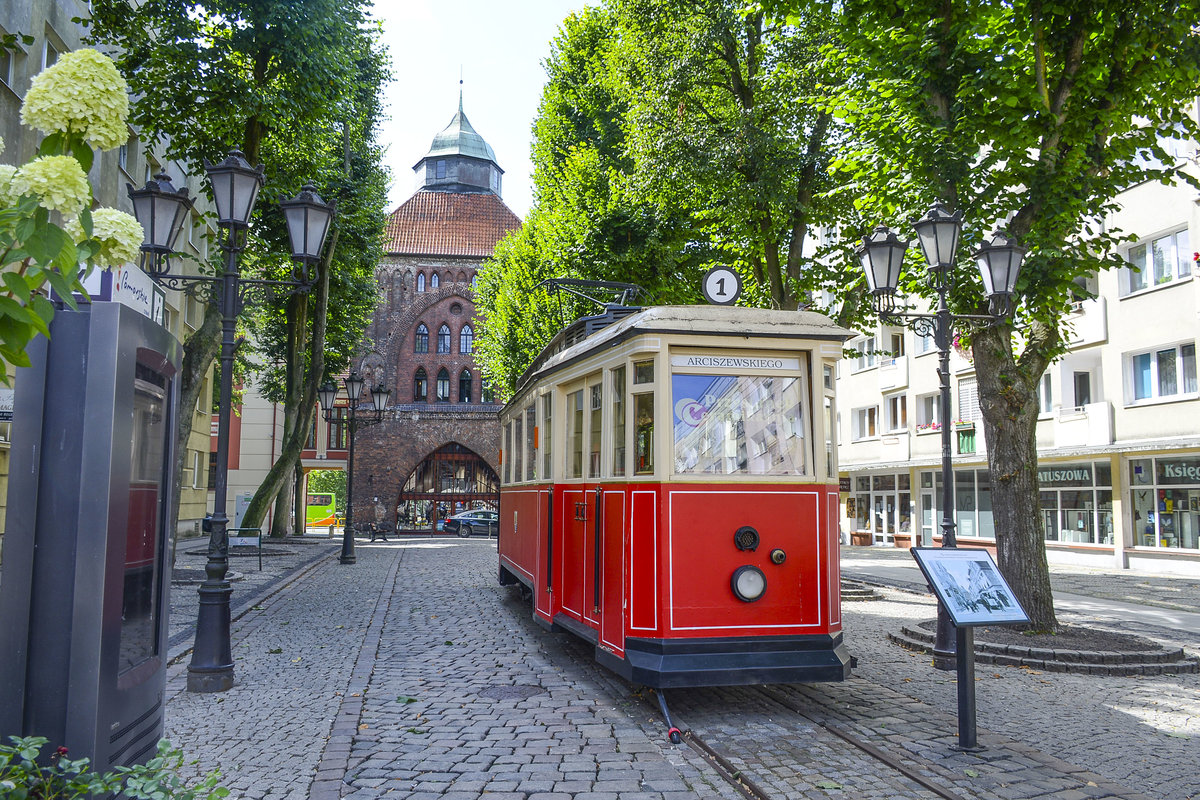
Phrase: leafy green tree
pixel 726 116
pixel 1035 113
pixel 237 73
pixel 588 220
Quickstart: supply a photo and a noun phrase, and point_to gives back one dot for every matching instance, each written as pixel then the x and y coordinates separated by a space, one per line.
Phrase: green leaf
pixel 17 285
pixel 52 145
pixel 406 699
pixel 85 222
pixel 828 785
pixel 83 154
pixel 970 773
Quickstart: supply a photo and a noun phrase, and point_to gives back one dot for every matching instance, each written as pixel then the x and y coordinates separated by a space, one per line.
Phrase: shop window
pixel 466 340
pixel 443 386
pixel 1163 373
pixel 1076 502
pixel 443 339
pixel 1158 262
pixel 1165 494
pixel 421 339
pixel 464 386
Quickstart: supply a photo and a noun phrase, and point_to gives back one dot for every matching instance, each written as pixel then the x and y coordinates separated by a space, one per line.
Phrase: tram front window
pixel 736 424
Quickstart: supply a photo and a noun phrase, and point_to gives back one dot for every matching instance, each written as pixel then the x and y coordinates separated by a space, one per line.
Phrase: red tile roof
pixel 449 224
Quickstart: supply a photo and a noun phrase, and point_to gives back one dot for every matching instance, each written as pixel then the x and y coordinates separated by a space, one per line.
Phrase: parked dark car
pixel 469 522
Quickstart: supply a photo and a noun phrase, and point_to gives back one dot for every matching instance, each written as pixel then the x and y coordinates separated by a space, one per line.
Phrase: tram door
pixel 577 509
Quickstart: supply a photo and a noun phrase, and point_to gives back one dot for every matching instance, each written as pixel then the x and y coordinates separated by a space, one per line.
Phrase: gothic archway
pixel 451 479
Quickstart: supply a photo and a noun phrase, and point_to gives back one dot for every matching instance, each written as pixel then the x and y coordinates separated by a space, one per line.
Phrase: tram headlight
pixel 748 583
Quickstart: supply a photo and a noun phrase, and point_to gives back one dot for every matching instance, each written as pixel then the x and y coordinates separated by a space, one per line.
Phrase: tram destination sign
pixel 736 362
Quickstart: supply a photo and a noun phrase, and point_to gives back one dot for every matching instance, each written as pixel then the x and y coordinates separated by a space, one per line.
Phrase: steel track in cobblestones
pixel 749 788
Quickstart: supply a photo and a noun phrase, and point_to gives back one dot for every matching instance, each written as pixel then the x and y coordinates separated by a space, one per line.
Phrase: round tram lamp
pixel 308 219
pixel 748 583
pixel 999 263
pixel 882 253
pixel 379 398
pixel 161 209
pixel 328 394
pixel 938 233
pixel 235 186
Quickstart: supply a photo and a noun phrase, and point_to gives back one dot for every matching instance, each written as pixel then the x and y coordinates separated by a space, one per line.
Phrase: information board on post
pixel 970 586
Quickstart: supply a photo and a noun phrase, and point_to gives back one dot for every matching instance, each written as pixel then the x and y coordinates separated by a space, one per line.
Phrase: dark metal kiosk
pixel 83 593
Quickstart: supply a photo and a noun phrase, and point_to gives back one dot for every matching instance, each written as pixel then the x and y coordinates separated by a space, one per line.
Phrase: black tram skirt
pixel 730 661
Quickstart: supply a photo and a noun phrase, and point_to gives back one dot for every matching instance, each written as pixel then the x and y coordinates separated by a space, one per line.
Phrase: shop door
pixel 927 515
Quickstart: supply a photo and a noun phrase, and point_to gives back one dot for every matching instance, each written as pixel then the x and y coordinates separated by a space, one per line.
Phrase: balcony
pixel 1083 426
pixel 893 374
pixel 1088 322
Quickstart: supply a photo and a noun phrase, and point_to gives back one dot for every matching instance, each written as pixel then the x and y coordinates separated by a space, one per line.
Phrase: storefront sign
pixel 1066 475
pixel 6 405
pixel 736 362
pixel 843 484
pixel 1178 470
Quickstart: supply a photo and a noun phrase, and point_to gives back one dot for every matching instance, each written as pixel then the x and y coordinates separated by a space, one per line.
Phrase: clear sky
pixel 499 46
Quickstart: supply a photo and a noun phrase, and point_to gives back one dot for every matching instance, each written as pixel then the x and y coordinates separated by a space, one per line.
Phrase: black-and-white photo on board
pixel 970 586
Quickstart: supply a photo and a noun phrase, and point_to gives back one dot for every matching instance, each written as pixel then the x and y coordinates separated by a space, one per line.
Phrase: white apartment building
pixel 1119 431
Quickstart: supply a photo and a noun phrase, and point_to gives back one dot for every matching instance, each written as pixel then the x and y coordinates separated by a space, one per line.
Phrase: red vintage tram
pixel 669 494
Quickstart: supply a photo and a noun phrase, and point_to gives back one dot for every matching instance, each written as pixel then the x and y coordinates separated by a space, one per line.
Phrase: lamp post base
pixel 211 669
pixel 945 654
pixel 350 559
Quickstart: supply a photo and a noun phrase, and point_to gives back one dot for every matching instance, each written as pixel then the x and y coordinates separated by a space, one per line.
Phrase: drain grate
pixel 518 692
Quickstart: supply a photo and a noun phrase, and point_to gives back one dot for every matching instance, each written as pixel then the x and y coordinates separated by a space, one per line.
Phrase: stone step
pixel 1162 661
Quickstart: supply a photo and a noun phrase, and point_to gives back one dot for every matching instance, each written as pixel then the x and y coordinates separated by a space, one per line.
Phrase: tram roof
pixel 695 320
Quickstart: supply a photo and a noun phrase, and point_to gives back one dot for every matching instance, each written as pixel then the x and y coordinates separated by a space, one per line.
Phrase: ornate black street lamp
pixel 162 210
pixel 379 401
pixel 999 261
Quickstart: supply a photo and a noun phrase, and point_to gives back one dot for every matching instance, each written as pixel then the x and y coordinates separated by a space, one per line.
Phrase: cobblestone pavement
pixel 281 558
pixel 413 675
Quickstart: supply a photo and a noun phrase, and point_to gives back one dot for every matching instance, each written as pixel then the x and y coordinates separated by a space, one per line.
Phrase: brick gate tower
pixel 436 452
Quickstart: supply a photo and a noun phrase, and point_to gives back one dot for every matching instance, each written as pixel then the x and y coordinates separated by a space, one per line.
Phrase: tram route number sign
pixel 722 286
pixel 970 586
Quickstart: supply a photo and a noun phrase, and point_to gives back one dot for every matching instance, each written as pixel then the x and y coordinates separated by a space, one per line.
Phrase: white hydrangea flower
pixel 119 234
pixel 7 196
pixel 81 93
pixel 58 182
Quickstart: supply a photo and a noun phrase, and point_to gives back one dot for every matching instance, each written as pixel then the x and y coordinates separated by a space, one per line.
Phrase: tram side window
pixel 595 420
pixel 547 427
pixel 575 434
pixel 517 448
pixel 643 372
pixel 643 433
pixel 530 442
pixel 618 421
pixel 506 451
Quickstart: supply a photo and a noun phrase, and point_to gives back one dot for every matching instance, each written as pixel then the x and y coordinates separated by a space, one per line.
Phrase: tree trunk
pixel 1010 410
pixel 305 406
pixel 198 354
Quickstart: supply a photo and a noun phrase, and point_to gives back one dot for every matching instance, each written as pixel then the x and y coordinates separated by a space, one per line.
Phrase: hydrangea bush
pixel 25 775
pixel 50 237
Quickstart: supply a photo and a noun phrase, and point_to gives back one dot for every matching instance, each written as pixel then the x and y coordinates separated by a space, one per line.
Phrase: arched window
pixel 462 278
pixel 443 386
pixel 443 343
pixel 420 281
pixel 464 386
pixel 475 282
pixel 421 344
pixel 489 394
pixel 466 340
pixel 434 281
pixel 420 386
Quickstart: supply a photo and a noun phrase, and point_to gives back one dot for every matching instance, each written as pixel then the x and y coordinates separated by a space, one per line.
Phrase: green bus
pixel 320 509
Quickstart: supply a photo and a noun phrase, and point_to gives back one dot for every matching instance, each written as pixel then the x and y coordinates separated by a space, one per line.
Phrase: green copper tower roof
pixel 460 139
